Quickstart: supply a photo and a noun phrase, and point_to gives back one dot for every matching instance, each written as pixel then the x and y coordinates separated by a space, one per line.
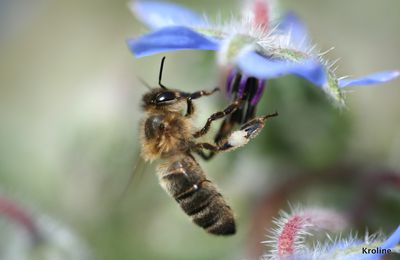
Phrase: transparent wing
pixel 135 175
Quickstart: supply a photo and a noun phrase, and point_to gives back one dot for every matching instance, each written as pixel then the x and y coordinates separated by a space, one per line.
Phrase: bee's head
pixel 163 98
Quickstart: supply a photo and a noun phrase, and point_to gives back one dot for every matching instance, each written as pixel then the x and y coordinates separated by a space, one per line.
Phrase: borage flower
pixel 250 50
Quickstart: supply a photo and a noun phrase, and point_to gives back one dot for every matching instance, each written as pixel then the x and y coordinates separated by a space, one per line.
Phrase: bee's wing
pixel 136 174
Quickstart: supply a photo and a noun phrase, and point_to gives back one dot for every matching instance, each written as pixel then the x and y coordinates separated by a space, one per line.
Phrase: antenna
pixel 160 75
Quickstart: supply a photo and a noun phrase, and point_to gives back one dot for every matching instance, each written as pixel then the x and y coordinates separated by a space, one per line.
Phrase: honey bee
pixel 167 133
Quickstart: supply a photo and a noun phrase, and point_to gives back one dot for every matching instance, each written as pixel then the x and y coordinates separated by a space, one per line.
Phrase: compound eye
pixel 165 97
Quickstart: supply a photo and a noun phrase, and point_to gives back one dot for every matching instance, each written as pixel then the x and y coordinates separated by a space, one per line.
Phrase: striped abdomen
pixel 184 180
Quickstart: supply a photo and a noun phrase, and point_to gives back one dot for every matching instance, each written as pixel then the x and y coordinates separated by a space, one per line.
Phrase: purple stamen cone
pixel 229 82
pixel 242 86
pixel 258 94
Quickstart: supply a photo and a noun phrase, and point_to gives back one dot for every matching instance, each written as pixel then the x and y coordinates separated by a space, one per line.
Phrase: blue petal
pixel 293 26
pixel 390 243
pixel 376 78
pixel 171 39
pixel 161 14
pixel 255 65
pixel 393 240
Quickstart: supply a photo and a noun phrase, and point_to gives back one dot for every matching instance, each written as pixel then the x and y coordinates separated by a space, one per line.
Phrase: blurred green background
pixel 69 111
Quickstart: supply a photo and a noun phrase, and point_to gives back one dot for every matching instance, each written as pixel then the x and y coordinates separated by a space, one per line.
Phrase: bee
pixel 167 133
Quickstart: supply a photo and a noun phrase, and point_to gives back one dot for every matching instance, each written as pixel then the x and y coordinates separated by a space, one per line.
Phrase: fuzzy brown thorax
pixel 165 134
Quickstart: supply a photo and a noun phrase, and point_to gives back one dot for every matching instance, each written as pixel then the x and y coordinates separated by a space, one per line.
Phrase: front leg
pixel 217 115
pixel 239 137
pixel 196 95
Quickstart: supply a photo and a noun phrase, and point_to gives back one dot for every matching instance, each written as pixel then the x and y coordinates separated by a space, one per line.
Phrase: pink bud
pixel 291 229
pixel 261 13
pixel 19 215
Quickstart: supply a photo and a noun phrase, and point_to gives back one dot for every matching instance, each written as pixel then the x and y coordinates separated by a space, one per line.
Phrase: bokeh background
pixel 69 114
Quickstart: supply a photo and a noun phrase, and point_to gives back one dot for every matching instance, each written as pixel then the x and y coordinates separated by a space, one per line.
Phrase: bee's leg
pixel 217 115
pixel 205 156
pixel 239 137
pixel 225 129
pixel 201 93
pixel 196 95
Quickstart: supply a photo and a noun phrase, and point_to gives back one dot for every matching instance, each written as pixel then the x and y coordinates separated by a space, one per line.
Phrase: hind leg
pixel 239 137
